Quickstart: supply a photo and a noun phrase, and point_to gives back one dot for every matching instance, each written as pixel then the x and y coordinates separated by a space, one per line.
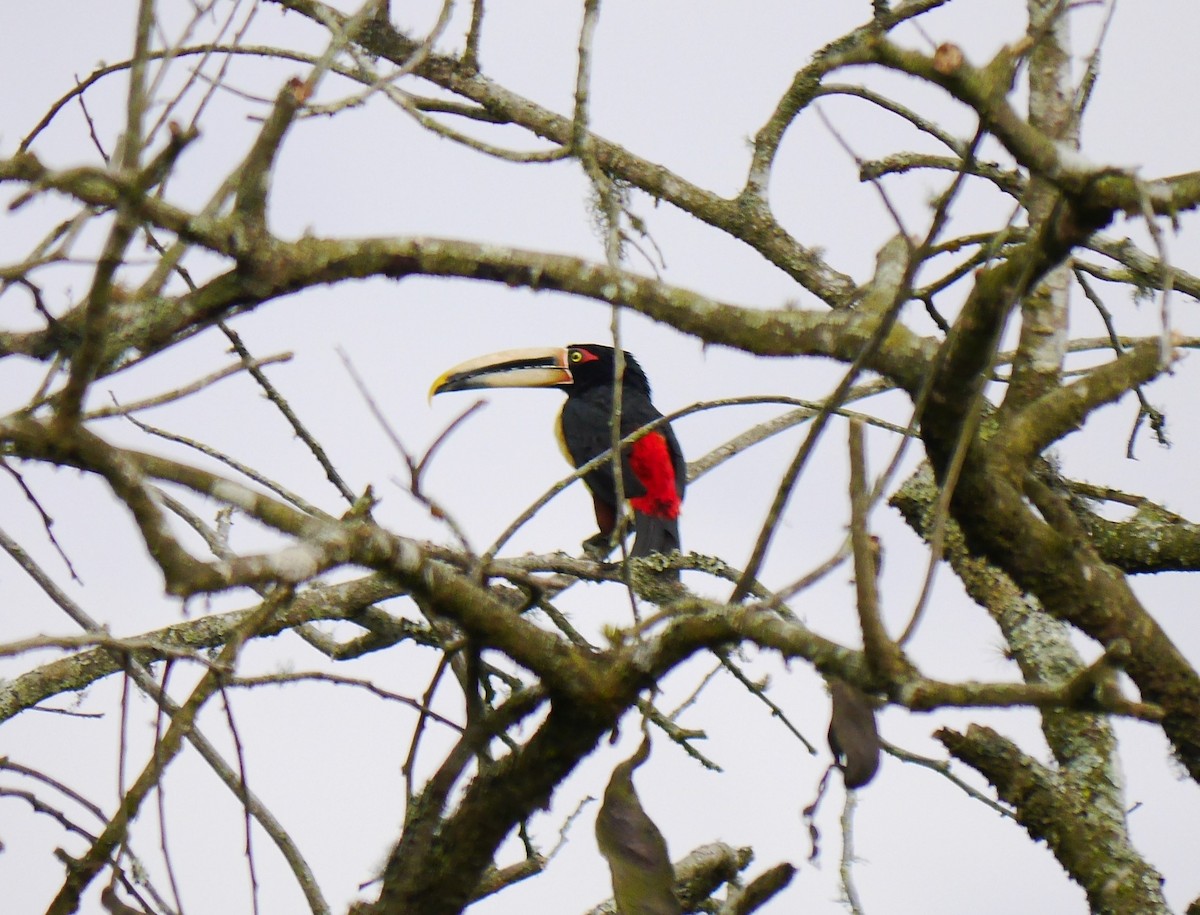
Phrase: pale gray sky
pixel 686 84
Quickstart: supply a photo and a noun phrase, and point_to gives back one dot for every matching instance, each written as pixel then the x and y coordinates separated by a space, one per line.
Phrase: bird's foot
pixel 598 546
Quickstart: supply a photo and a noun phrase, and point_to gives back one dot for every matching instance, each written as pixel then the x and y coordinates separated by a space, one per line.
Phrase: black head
pixel 593 364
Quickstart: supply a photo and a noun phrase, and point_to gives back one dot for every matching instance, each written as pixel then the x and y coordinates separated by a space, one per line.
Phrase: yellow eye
pixel 576 356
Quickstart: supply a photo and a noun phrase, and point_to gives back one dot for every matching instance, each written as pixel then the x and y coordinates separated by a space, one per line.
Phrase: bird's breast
pixel 561 438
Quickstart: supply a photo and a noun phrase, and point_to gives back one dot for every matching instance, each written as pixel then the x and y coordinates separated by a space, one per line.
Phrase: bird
pixel 653 470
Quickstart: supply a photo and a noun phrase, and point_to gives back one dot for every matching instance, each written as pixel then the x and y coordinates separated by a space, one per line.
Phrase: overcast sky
pixel 685 84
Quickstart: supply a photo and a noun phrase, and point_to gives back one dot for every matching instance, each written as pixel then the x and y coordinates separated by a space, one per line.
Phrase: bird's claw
pixel 597 547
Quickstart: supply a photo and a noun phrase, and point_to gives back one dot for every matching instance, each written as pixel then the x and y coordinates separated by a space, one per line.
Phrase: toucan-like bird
pixel 653 471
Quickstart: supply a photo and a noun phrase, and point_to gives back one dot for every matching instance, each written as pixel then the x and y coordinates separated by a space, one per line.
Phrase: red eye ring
pixel 579 356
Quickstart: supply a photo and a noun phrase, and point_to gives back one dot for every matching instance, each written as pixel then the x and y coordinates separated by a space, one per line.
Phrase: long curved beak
pixel 534 367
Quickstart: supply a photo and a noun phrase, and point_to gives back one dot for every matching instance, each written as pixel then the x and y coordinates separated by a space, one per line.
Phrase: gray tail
pixel 654 535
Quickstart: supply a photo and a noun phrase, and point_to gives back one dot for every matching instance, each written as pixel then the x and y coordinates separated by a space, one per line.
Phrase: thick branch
pixel 1116 880
pixel 344 601
pixel 752 224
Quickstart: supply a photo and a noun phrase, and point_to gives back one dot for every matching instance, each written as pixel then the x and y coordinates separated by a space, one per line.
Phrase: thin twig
pixel 282 405
pixel 846 863
pixel 167 397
